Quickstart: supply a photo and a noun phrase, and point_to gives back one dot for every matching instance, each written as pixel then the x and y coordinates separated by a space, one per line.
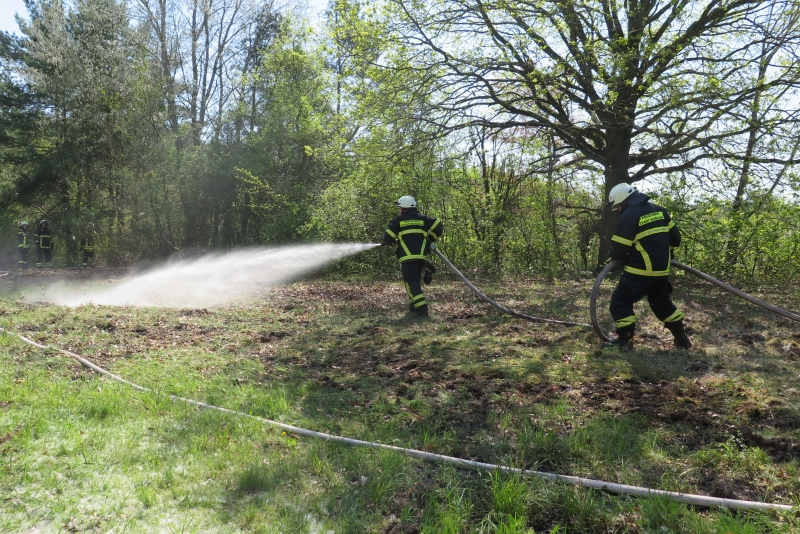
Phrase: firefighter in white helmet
pixel 413 233
pixel 643 240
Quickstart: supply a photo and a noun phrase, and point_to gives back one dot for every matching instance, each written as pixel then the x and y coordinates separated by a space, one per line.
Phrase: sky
pixel 7 10
pixel 9 7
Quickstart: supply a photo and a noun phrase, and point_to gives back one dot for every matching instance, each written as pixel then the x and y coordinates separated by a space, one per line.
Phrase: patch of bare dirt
pixel 702 410
pixel 780 449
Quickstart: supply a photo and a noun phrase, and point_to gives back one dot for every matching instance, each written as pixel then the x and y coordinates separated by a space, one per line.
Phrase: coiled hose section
pixel 616 263
pixel 500 307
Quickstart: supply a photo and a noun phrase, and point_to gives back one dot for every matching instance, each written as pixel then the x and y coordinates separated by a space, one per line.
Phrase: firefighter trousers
pixel 46 254
pixel 633 288
pixel 23 257
pixel 412 276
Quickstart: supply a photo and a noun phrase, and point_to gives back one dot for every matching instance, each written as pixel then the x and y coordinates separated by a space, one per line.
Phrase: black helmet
pixel 43 221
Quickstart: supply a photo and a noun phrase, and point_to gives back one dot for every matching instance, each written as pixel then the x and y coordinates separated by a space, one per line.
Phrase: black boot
pixel 681 339
pixel 421 311
pixel 623 341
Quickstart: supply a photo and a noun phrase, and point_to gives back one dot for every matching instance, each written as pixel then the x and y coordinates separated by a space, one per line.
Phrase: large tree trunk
pixel 605 229
pixel 616 172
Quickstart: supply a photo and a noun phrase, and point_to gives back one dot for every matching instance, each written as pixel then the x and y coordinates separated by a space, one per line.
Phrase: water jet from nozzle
pixel 209 281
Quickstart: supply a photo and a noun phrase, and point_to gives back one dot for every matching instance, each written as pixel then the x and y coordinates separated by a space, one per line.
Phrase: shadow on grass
pixel 456 374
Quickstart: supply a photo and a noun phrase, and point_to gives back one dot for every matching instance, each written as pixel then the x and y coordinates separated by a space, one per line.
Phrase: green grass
pixel 79 452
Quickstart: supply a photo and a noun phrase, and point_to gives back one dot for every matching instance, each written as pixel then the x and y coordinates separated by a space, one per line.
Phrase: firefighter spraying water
pixel 413 233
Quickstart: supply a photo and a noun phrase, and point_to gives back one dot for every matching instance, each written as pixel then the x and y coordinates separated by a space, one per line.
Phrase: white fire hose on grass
pixel 621 489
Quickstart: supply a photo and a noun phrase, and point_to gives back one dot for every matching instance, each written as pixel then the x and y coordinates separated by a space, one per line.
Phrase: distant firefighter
pixel 24 240
pixel 44 245
pixel 88 245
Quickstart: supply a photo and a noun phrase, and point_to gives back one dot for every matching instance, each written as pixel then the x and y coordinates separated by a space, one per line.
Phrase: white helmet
pixel 24 223
pixel 406 202
pixel 619 193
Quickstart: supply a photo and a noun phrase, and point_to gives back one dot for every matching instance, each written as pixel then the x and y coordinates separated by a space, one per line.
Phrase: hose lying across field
pixel 500 307
pixel 622 489
pixel 616 263
pixel 596 288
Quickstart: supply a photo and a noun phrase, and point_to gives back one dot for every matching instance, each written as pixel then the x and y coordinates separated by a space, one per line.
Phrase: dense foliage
pixel 177 125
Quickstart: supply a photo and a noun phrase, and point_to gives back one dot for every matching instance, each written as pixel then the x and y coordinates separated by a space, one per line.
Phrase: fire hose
pixel 595 324
pixel 616 263
pixel 500 307
pixel 611 487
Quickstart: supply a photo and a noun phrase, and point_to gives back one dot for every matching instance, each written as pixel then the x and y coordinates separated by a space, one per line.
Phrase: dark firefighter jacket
pixel 23 238
pixel 413 233
pixel 43 238
pixel 644 237
pixel 87 243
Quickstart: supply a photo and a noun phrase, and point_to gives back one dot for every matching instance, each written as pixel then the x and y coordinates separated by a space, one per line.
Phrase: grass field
pixel 82 453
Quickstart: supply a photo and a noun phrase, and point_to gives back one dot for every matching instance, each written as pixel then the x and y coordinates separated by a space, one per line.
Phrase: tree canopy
pixel 222 123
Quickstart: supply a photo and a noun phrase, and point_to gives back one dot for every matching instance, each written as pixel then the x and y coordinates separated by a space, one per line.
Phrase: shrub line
pixel 621 489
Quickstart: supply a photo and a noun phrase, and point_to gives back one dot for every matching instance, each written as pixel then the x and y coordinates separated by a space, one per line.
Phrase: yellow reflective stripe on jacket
pixel 430 230
pixel 648 265
pixel 391 234
pixel 408 255
pixel 642 235
pixel 38 239
pixel 634 270
pixel 648 270
pixel 622 240
pixel 412 231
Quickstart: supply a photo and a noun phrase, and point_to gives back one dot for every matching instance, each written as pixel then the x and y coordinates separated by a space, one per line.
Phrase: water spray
pixel 212 280
pixel 239 274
